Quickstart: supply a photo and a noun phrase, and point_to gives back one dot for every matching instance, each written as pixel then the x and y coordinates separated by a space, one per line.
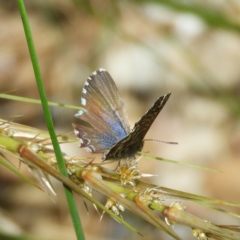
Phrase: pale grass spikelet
pixel 123 188
pixel 129 172
pixel 116 207
pixel 150 196
pixel 5 128
pixel 87 189
pixel 178 205
pixel 36 147
pixel 175 205
pixel 199 234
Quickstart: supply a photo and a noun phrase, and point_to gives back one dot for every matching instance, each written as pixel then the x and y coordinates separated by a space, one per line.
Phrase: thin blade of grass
pixel 36 101
pixel 16 171
pixel 176 162
pixel 69 195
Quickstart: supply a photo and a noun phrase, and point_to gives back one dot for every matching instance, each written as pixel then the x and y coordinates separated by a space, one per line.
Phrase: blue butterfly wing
pixel 104 111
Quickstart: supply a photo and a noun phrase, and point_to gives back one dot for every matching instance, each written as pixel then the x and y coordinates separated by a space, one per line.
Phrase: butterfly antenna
pixel 156 140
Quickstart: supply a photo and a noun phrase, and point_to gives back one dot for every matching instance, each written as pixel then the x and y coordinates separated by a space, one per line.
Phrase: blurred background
pixel 188 48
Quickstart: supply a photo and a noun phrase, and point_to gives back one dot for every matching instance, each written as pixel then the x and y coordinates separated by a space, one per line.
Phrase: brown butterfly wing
pixel 132 143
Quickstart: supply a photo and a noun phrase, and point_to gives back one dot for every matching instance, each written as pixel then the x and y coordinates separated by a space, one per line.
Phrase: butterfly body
pixel 105 111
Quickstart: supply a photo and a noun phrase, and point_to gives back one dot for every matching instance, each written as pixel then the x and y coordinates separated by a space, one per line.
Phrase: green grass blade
pixel 69 195
pixel 32 100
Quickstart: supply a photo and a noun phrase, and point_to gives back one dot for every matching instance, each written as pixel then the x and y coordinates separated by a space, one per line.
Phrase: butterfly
pixel 109 131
